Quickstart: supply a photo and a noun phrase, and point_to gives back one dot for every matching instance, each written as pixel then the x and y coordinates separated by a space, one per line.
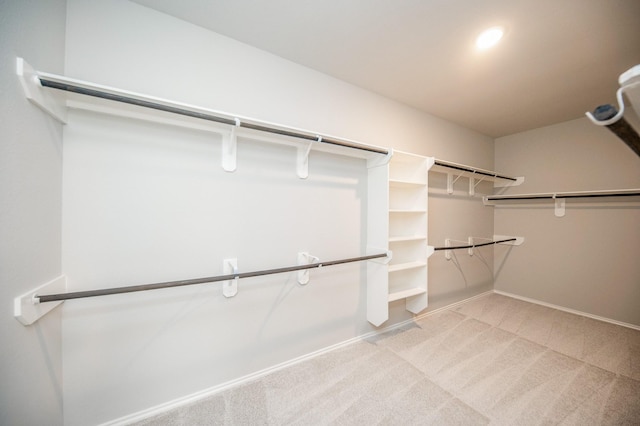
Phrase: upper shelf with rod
pixel 475 175
pixel 559 198
pixel 55 94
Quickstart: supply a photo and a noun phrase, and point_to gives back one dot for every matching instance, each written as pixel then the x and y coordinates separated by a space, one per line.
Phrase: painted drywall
pixel 146 203
pixel 586 260
pixel 30 215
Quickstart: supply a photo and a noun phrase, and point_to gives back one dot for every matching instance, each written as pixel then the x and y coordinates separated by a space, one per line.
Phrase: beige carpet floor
pixel 494 360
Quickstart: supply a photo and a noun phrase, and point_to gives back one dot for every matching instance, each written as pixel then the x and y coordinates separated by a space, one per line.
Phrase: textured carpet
pixel 494 360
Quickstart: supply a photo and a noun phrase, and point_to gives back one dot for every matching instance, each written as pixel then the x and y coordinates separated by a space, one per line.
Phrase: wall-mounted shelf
pixel 559 198
pixel 475 175
pixel 407 238
pixel 406 266
pixel 405 294
pixel 55 94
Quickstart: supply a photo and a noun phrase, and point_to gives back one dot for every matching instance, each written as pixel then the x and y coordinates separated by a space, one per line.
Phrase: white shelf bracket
pixel 229 267
pixel 448 241
pixel 305 258
pixel 229 149
pixel 36 94
pixel 27 308
pixel 559 209
pixel 302 159
pixel 451 181
pixel 473 183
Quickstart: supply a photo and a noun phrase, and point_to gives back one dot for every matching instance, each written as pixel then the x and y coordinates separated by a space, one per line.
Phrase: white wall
pixel 145 203
pixel 587 260
pixel 30 215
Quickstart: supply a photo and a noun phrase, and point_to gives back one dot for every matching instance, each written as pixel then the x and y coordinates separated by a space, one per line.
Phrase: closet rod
pixel 469 169
pixel 560 195
pixel 474 245
pixel 143 287
pixel 68 87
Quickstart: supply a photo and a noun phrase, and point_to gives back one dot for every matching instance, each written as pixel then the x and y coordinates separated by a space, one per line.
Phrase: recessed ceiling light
pixel 489 38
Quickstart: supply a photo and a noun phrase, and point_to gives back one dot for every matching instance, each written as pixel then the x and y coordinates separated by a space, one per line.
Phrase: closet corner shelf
pixel 475 175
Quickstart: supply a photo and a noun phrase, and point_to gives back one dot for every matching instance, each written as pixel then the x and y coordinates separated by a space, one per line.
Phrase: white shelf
pixel 408 238
pixel 405 184
pixel 407 211
pixel 404 294
pixel 406 266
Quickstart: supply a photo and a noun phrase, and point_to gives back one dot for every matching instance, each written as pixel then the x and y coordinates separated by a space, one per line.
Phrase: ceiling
pixel 558 58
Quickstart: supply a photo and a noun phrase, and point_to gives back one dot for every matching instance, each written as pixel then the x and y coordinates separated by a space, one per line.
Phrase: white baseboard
pixel 205 393
pixel 186 400
pixel 571 311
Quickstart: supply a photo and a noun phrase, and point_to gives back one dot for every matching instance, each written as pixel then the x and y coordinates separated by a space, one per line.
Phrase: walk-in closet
pixel 240 213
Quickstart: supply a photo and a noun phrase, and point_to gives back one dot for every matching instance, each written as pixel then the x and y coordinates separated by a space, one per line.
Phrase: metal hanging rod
pixel 53 83
pixel 583 194
pixel 506 240
pixel 464 168
pixel 143 287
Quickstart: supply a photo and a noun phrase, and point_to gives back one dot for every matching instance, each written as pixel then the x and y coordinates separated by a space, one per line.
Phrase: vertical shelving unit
pixel 408 207
pixel 398 217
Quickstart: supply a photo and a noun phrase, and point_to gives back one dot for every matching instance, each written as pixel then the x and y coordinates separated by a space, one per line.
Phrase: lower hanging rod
pixel 474 245
pixel 185 111
pixel 144 287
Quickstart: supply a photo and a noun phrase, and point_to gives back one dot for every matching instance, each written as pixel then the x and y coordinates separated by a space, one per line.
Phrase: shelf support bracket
pixel 27 308
pixel 447 253
pixel 35 93
pixel 559 209
pixel 230 266
pixel 305 258
pixel 451 181
pixel 473 184
pixel 302 159
pixel 229 149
